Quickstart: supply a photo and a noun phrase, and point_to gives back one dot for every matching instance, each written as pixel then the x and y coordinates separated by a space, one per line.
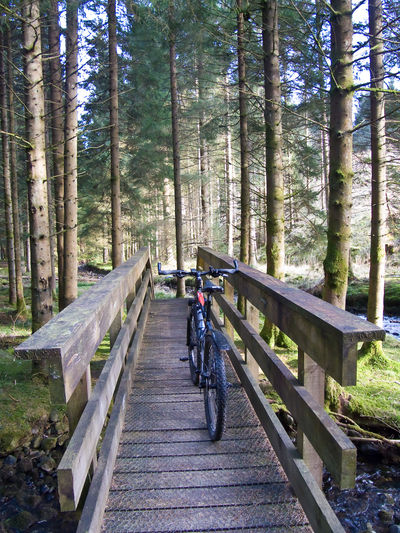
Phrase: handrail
pixel 329 336
pixel 69 341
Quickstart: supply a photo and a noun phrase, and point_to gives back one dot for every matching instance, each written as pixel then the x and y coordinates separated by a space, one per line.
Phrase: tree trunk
pixel 116 231
pixel 228 172
pixel 180 292
pixel 42 306
pixel 378 156
pixel 244 142
pixel 273 154
pixel 57 138
pixel 21 305
pixel 8 214
pixel 336 263
pixel 71 157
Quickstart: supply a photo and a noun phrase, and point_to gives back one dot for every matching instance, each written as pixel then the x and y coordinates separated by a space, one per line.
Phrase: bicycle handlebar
pixel 214 272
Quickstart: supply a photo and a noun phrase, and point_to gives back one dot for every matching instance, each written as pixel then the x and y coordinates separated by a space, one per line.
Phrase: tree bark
pixel 244 141
pixel 229 175
pixel 42 306
pixel 71 157
pixel 8 214
pixel 376 288
pixel 336 262
pixel 57 138
pixel 273 158
pixel 180 292
pixel 116 231
pixel 273 142
pixel 21 305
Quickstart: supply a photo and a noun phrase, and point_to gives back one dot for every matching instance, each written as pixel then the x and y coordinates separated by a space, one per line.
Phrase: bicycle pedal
pixel 184 358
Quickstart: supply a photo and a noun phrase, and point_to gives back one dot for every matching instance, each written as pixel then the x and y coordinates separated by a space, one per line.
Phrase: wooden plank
pixel 326 333
pixel 93 510
pixel 73 336
pixel 318 511
pixel 312 377
pixel 75 463
pixel 337 451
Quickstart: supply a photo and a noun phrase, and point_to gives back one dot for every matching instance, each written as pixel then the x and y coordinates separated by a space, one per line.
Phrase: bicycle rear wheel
pixel 215 391
pixel 193 349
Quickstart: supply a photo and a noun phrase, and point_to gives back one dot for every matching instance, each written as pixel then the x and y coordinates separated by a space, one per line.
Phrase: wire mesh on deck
pixel 169 476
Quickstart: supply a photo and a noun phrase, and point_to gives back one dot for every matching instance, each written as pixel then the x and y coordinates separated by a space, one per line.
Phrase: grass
pixel 377 393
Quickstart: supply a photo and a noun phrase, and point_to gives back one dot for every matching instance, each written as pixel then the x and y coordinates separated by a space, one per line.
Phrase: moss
pixel 373 355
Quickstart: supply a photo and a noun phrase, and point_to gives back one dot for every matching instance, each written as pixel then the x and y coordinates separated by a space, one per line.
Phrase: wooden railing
pixel 68 343
pixel 327 340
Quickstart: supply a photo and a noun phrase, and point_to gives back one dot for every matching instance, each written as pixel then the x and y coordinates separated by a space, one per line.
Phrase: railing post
pixel 229 294
pixel 115 328
pixel 76 404
pixel 312 377
pixel 253 318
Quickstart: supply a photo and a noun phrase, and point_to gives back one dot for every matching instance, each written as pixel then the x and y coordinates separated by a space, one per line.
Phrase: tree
pixel 12 294
pixel 71 157
pixel 244 141
pixel 57 138
pixel 180 292
pixel 21 305
pixel 42 306
pixel 116 232
pixel 273 152
pixel 336 263
pixel 376 287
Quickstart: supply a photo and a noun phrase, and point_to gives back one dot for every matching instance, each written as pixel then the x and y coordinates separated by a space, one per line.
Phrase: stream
pixel 391 324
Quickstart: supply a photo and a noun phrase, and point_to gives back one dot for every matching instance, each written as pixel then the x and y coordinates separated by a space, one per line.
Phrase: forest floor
pixel 33 435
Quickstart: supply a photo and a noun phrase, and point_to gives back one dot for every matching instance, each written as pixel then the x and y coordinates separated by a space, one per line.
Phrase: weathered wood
pixel 92 514
pixel 115 327
pixel 78 400
pixel 318 511
pixel 326 333
pixel 229 295
pixel 337 451
pixel 75 463
pixel 252 316
pixel 71 338
pixel 312 377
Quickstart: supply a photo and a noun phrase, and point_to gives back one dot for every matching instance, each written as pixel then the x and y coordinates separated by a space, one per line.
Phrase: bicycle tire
pixel 193 349
pixel 215 390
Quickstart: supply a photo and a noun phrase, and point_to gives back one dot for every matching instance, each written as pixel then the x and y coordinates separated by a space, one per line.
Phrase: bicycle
pixel 206 346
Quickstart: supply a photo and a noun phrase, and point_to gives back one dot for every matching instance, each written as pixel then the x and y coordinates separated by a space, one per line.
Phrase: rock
pixel 10 460
pixel 48 443
pixel 36 441
pixel 47 464
pixel 386 515
pixel 54 416
pixel 7 473
pixel 394 529
pixel 389 499
pixel 21 521
pixel 25 465
pixel 62 439
pixel 48 513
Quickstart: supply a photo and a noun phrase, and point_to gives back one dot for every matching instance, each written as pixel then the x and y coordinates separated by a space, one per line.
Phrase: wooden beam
pixel 326 333
pixel 75 463
pixel 336 450
pixel 93 510
pixel 317 509
pixel 71 338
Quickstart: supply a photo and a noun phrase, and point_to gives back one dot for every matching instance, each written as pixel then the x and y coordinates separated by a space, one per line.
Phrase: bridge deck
pixel 168 476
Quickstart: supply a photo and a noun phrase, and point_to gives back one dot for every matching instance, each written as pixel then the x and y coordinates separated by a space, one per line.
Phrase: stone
pixel 48 443
pixel 21 521
pixel 10 460
pixel 47 464
pixel 62 439
pixel 54 416
pixel 36 441
pixel 386 515
pixel 25 465
pixel 394 528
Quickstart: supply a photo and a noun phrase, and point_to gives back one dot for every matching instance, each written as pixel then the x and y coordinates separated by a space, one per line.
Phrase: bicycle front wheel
pixel 193 350
pixel 215 391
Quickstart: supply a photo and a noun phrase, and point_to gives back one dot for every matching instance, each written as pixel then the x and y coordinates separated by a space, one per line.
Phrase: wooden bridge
pixel 140 459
